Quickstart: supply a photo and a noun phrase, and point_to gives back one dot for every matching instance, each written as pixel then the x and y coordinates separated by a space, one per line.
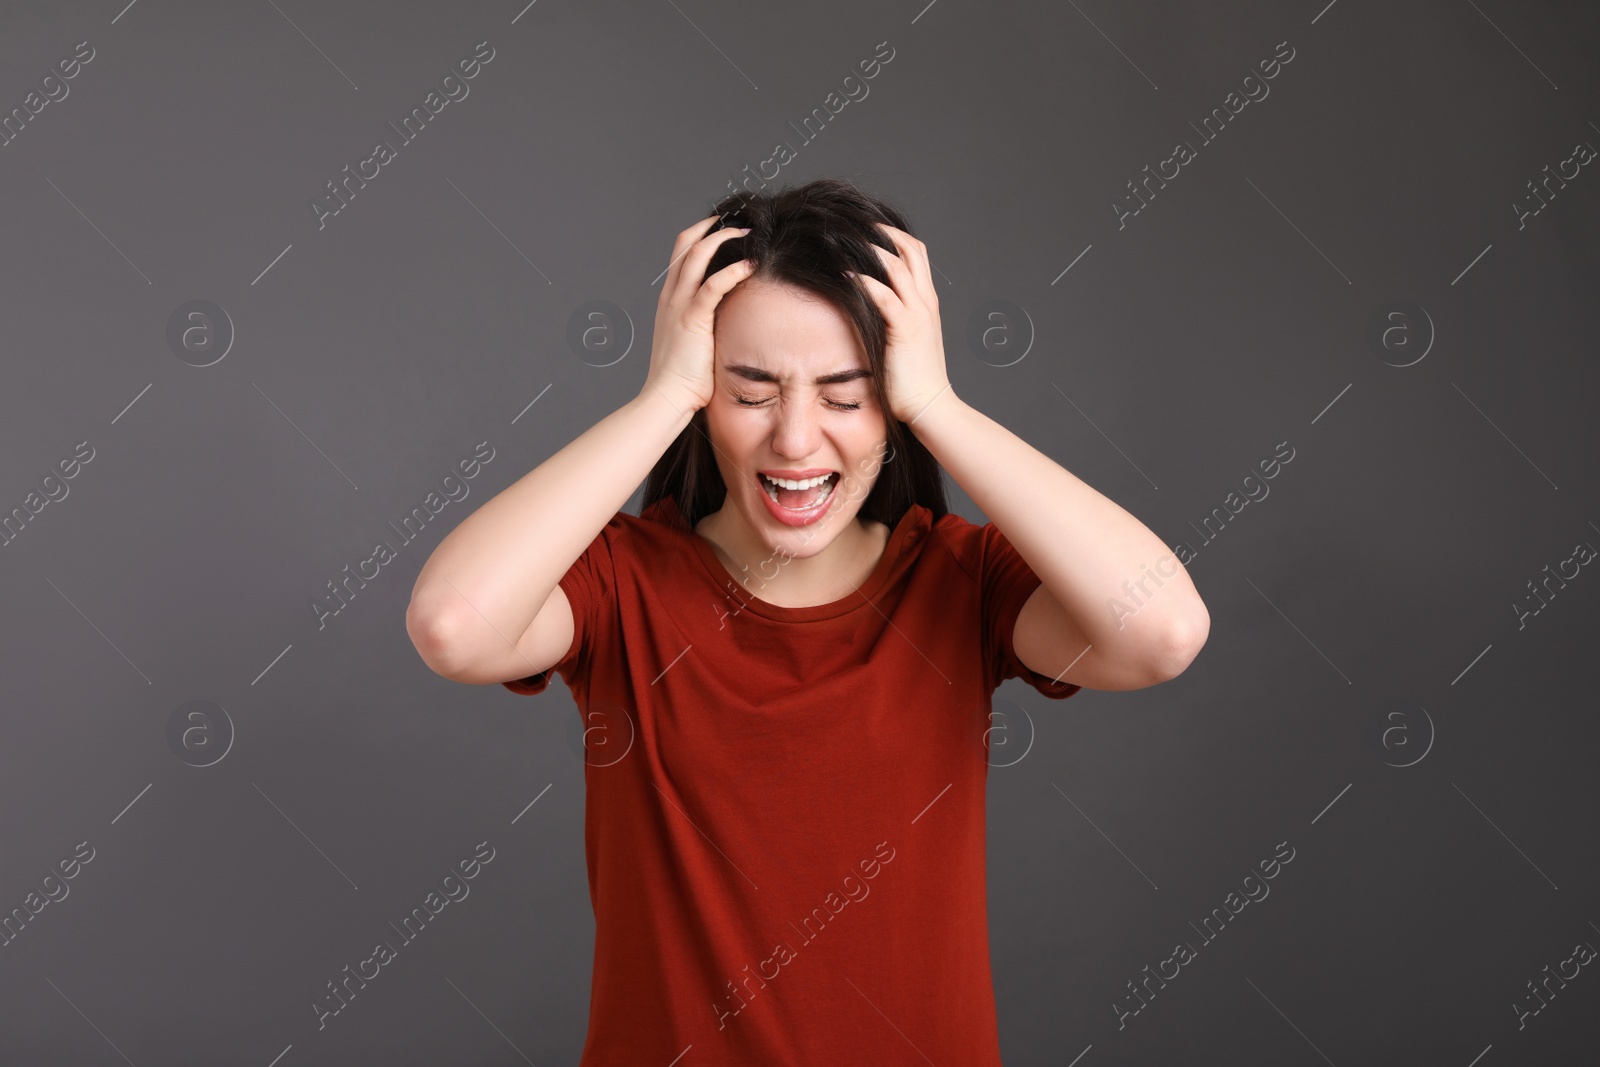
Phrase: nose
pixel 796 430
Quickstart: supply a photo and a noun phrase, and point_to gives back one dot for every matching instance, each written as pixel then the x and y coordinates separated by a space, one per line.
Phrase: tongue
pixel 800 498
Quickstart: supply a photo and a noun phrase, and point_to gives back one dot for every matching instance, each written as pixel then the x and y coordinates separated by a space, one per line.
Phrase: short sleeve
pixel 1007 582
pixel 589 584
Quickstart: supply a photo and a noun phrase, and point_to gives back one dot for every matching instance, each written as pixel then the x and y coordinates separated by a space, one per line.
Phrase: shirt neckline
pixel 744 600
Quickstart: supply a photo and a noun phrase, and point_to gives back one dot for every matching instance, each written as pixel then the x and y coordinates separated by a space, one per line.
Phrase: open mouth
pixel 799 494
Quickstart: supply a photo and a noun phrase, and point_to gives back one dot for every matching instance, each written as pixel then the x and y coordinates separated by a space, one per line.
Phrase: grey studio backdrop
pixel 1308 288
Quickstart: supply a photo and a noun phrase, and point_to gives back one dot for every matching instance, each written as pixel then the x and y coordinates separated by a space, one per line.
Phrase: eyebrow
pixel 756 374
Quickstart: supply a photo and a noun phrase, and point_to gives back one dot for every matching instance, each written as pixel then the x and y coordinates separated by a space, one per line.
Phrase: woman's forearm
pixel 1081 544
pixel 488 578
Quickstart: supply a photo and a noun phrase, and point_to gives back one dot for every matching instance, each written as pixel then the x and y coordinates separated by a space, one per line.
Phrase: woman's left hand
pixel 914 361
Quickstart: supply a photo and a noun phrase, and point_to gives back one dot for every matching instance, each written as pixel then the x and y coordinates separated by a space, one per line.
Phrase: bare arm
pixel 486 606
pixel 485 584
pixel 1090 554
pixel 1087 623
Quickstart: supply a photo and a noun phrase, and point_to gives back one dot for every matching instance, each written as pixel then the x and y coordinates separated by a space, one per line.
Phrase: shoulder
pixel 962 540
pixel 657 533
pixel 626 538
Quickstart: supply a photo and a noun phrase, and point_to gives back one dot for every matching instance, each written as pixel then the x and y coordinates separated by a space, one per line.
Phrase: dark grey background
pixel 1367 694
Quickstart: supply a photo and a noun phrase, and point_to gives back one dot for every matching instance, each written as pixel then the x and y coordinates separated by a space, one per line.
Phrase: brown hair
pixel 807 236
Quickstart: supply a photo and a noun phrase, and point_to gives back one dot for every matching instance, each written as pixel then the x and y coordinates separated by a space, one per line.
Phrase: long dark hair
pixel 807 236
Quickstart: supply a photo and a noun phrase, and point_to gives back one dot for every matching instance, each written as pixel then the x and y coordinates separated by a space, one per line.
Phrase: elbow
pixel 430 634
pixel 1180 644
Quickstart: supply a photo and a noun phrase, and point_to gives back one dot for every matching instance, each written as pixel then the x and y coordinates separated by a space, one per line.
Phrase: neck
pixel 765 572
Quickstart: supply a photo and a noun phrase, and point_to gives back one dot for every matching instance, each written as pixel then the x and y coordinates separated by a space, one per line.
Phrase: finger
pixel 692 268
pixel 680 247
pixel 690 234
pixel 914 254
pixel 717 286
pixel 901 280
pixel 887 299
pixel 924 270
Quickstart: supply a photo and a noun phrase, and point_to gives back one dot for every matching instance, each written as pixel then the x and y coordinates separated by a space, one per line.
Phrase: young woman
pixel 785 663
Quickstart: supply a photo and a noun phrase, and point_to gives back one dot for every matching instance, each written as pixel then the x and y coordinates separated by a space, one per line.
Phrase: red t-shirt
pixel 784 822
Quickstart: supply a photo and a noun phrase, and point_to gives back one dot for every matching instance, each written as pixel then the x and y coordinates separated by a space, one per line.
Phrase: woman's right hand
pixel 682 351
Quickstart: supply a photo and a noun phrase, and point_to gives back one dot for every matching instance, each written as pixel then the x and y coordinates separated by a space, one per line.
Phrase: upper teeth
pixel 804 483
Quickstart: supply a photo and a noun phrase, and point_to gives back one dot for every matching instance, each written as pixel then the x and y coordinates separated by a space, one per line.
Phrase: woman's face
pixel 770 416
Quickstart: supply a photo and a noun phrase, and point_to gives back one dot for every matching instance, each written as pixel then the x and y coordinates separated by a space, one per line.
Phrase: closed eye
pixel 752 402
